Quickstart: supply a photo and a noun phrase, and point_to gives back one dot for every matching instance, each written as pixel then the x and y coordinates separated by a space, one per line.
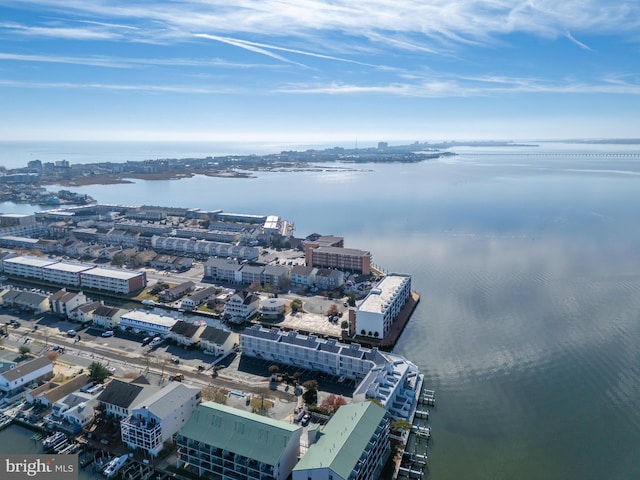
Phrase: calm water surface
pixel 529 271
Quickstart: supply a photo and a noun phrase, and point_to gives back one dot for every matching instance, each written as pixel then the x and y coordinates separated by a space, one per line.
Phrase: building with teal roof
pixel 353 445
pixel 222 442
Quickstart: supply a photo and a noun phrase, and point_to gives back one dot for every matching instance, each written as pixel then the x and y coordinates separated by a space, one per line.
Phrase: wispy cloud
pixel 68 33
pixel 577 42
pixel 184 89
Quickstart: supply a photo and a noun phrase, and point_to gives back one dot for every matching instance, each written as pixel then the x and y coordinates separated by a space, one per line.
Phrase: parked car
pixel 71 332
pixel 108 333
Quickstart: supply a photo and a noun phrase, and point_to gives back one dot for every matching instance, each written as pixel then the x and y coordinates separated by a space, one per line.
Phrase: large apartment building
pixel 223 442
pixel 345 259
pixel 353 445
pixel 381 306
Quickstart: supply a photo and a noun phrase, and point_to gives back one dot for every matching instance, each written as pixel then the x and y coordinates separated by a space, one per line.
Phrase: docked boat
pixel 114 466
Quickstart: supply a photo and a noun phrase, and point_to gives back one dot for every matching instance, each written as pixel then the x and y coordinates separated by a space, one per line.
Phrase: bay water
pixel 528 265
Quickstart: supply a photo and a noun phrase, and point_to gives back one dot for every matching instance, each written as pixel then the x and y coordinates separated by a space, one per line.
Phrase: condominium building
pixel 26 266
pixel 223 442
pixel 318 354
pixel 381 306
pixel 353 445
pixel 345 259
pixel 154 422
pixel 65 273
pixel 149 323
pixel 113 280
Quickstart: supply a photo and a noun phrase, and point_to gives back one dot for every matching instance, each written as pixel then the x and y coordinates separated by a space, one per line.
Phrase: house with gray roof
pixel 223 442
pixel 24 300
pixel 216 341
pixel 353 445
pixel 276 275
pixel 120 397
pixel 303 275
pixel 159 417
pixel 186 334
pixel 63 302
pixel 107 317
pixel 173 293
pixel 198 298
pixel 241 306
pixel 25 374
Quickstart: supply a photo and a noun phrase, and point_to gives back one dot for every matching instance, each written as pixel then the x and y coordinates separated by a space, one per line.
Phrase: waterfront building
pixel 389 378
pixel 73 412
pixel 353 445
pixel 224 442
pixel 241 306
pixel 173 293
pixel 50 392
pixel 345 259
pixel 193 247
pixel 26 266
pixel 275 275
pixel 153 423
pixel 120 397
pixel 273 308
pixel 63 302
pixel 309 351
pixel 113 280
pixel 198 298
pixel 23 374
pixel 216 341
pixel 24 300
pixel 65 273
pixel 140 321
pixel 394 384
pixel 378 310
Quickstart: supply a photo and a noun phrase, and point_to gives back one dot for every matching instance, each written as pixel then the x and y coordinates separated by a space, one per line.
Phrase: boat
pixel 114 465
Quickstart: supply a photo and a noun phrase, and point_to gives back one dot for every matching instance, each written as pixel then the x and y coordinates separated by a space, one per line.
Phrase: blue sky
pixel 318 71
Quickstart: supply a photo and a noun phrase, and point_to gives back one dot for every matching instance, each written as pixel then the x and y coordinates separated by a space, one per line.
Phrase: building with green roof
pixel 222 442
pixel 353 445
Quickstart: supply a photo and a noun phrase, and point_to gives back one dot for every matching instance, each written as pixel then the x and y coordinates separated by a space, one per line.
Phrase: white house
pixel 25 374
pixel 241 306
pixel 216 341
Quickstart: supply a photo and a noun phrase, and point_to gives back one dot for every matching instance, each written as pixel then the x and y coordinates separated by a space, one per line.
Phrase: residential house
pixel 174 293
pixel 72 412
pixel 223 442
pixel 241 306
pixel 273 308
pixel 329 279
pixel 159 417
pixel 277 276
pixel 84 313
pixel 121 397
pixel 216 341
pixel 198 298
pixel 63 302
pixel 303 276
pixel 50 392
pixel 24 374
pixel 107 317
pixel 24 300
pixel 186 334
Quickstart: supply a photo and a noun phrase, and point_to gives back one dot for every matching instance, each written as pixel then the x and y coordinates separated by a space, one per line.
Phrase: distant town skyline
pixel 312 71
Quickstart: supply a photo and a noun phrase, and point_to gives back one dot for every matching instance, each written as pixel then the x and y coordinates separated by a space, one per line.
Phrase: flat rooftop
pixel 382 293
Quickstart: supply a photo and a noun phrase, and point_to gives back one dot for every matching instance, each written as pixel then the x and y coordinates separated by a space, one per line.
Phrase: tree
pixel 400 424
pixel 351 301
pixel 332 310
pixel 98 372
pixel 254 287
pixel 310 395
pixel 363 332
pixel 296 305
pixel 24 350
pixel 53 356
pixel 344 325
pixel 376 334
pixel 331 404
pixel 118 259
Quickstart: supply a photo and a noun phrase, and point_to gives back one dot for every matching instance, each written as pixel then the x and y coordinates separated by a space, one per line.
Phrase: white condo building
pixel 381 306
pixel 147 322
pixel 391 379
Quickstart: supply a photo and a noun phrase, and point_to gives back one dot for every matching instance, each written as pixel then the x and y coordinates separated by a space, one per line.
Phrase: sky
pixel 318 71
